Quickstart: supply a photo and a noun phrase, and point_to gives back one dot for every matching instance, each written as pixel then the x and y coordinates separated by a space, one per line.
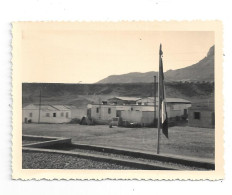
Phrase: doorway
pixel 118 113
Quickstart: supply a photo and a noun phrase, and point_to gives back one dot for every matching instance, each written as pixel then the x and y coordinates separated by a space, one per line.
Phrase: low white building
pixel 141 112
pixel 34 113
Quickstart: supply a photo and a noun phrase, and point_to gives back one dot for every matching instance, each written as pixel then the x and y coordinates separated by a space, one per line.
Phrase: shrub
pixel 75 121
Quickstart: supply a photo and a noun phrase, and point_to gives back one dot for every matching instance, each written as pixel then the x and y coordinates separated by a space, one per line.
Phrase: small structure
pixel 101 113
pixel 201 116
pixel 123 100
pixel 35 113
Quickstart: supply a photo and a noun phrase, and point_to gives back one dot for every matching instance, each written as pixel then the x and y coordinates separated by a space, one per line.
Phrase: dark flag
pixel 164 116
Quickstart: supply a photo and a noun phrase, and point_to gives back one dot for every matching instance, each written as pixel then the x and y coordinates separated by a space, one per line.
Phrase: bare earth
pixel 184 141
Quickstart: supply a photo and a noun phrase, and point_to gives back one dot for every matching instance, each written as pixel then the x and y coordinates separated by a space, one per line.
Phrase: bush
pixel 75 121
pixel 86 121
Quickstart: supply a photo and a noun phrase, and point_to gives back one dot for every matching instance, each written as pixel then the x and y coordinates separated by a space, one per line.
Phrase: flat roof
pixel 172 100
pixel 46 107
pixel 126 98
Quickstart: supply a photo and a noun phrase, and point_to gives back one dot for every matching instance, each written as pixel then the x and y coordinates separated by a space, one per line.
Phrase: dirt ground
pixel 184 141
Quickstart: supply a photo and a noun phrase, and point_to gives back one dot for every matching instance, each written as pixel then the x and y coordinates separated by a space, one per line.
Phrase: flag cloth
pixel 164 116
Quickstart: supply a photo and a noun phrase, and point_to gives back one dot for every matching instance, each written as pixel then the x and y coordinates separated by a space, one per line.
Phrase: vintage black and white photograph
pixel 117 96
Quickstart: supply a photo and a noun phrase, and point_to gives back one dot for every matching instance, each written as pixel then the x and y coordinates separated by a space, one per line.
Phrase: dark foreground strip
pixel 191 162
pixel 48 143
pixel 130 163
pixel 59 143
pixel 45 141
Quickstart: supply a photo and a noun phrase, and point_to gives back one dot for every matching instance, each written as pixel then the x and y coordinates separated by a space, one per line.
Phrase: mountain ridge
pixel 201 71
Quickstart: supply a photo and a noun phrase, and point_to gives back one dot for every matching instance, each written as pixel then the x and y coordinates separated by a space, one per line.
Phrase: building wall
pixel 132 112
pixel 34 118
pixel 132 116
pixel 142 117
pixel 78 113
pixel 44 118
pixel 176 109
pixel 206 118
pixel 136 108
pixel 102 114
pixel 148 117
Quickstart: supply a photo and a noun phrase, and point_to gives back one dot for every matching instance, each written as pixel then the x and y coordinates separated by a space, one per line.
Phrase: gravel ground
pixel 122 156
pixel 39 160
pixel 125 157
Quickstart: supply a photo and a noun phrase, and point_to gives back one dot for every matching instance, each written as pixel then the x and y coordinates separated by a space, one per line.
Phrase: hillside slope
pixel 82 94
pixel 201 71
pixel 133 77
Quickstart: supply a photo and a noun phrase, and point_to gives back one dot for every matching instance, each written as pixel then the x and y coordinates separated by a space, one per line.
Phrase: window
pixel 54 114
pixel 109 110
pixel 97 110
pixel 30 114
pixel 47 114
pixel 185 112
pixel 66 114
pixel 62 114
pixel 197 115
pixel 118 113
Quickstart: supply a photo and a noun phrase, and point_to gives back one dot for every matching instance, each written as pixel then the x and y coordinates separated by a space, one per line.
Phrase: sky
pixel 89 54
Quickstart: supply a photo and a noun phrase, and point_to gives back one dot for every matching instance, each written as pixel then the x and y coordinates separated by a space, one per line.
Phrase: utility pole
pixel 99 107
pixel 39 104
pixel 155 102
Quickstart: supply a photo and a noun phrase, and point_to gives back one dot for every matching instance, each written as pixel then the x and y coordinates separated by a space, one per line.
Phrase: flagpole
pixel 39 105
pixel 158 137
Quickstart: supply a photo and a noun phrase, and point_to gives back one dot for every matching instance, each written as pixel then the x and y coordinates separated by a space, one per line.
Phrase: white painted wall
pixel 78 113
pixel 44 118
pixel 132 116
pixel 135 113
pixel 175 109
pixel 103 112
pixel 148 117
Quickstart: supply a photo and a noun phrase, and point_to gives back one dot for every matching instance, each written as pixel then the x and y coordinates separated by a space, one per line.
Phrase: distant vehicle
pixel 116 121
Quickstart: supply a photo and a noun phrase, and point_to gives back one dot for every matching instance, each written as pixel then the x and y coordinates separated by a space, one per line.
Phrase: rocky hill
pixel 201 71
